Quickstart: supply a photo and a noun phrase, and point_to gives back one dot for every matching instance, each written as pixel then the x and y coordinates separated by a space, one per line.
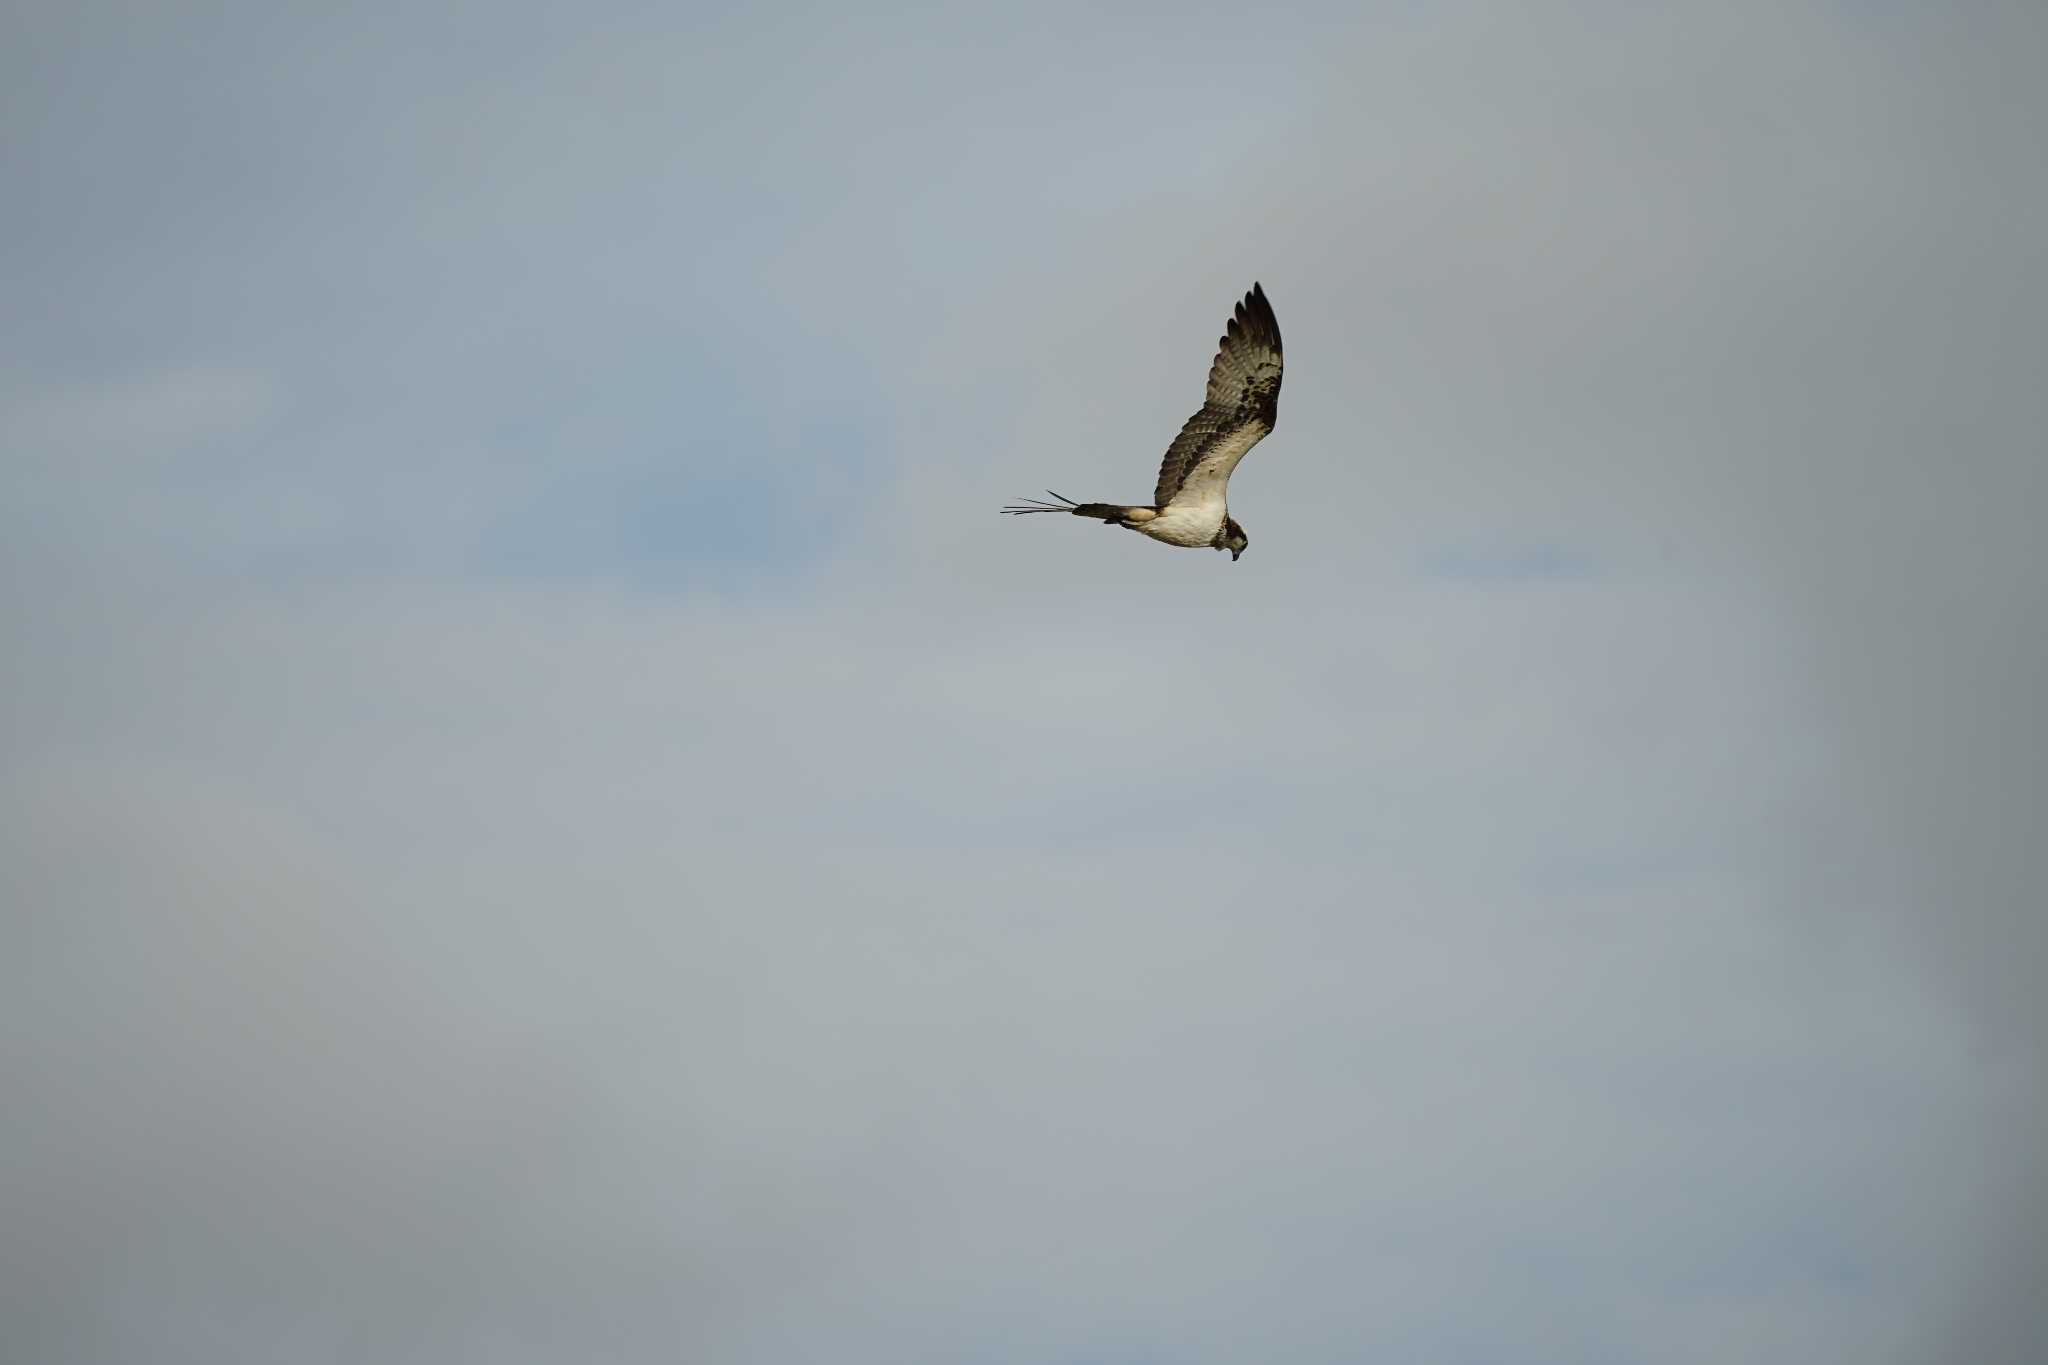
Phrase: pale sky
pixel 544 817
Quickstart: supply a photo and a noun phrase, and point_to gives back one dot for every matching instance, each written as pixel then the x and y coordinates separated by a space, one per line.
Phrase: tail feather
pixel 1102 511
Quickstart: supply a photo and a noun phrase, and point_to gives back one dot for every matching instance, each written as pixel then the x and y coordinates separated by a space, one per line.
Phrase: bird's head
pixel 1233 539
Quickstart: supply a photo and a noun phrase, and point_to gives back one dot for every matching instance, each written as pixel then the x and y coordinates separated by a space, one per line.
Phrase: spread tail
pixel 1101 511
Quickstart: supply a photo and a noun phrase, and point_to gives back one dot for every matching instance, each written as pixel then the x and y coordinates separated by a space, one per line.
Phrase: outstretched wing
pixel 1241 406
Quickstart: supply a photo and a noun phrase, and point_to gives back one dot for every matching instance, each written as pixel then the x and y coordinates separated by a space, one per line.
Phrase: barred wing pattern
pixel 1241 406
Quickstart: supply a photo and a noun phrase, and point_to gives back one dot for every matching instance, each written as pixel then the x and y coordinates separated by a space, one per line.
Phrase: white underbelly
pixel 1193 526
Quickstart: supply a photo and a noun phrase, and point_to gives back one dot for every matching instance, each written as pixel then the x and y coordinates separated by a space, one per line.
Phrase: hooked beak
pixel 1234 554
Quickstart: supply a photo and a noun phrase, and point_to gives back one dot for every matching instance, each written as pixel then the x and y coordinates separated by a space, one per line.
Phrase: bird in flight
pixel 1242 403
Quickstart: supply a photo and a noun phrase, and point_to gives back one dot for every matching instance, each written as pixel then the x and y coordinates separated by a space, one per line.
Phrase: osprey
pixel 1243 401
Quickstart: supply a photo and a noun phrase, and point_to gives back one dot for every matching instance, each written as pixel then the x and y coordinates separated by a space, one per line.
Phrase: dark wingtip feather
pixel 1257 311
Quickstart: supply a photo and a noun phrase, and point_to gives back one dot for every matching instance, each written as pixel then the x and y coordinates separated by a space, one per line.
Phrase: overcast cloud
pixel 544 818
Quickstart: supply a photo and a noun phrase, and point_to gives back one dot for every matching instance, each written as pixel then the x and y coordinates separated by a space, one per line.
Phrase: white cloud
pixel 769 981
pixel 133 425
